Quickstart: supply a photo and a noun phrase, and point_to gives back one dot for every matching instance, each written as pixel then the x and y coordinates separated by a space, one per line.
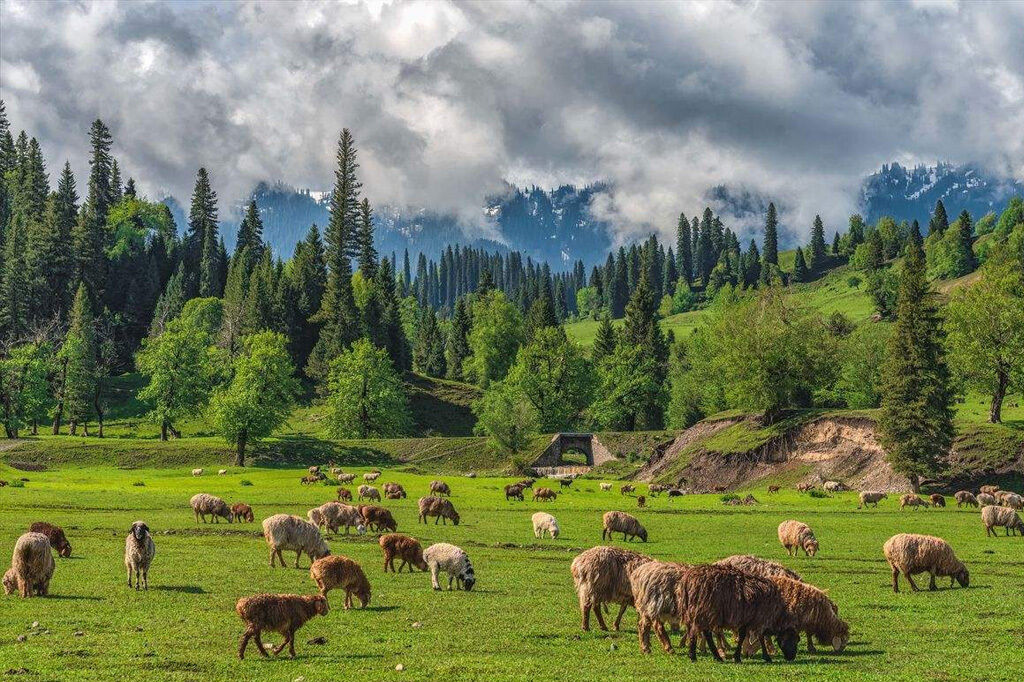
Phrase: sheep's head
pixel 455 517
pixel 788 640
pixel 468 580
pixel 643 534
pixel 811 547
pixel 841 637
pixel 320 602
pixel 64 548
pixel 320 551
pixel 363 594
pixel 962 577
pixel 420 563
pixel 139 531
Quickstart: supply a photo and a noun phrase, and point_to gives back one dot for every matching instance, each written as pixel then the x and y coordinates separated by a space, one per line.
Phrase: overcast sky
pixel 796 100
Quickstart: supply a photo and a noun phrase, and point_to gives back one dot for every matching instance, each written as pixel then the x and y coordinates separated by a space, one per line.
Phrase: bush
pixel 328 482
pixel 139 484
pixel 730 497
pixel 16 483
pixel 818 493
pixel 245 481
pixel 853 281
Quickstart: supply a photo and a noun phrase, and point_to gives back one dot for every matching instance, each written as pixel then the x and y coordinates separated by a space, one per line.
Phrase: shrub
pixel 139 484
pixel 853 281
pixel 818 493
pixel 16 483
pixel 730 497
pixel 245 481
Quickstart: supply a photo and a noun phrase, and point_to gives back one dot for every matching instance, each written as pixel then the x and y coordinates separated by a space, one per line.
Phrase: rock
pixel 417 625
pixel 77 633
pixel 35 624
pixel 399 667
pixel 17 671
pixel 22 638
pixel 614 647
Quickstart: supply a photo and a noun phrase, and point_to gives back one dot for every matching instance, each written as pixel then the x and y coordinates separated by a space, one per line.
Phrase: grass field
pixel 522 620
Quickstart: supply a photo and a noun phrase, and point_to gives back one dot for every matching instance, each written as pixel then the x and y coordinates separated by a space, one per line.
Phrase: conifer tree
pixel 89 234
pixel 684 249
pixel 620 286
pixel 15 285
pixel 835 244
pixel 79 353
pixel 705 255
pixel 457 349
pixel 968 262
pixel 367 253
pixel 250 237
pixel 939 220
pixel 770 254
pixel 915 233
pixel 752 274
pixel 129 189
pixel 116 191
pixel 641 330
pixel 604 342
pixel 856 230
pixel 202 266
pixel 819 255
pixel 800 273
pixel 876 251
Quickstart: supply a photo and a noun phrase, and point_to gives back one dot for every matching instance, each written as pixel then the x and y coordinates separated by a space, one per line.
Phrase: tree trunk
pixel 85 427
pixel 915 483
pixel 73 427
pixel 240 454
pixel 35 427
pixel 57 415
pixel 163 430
pixel 174 432
pixel 995 412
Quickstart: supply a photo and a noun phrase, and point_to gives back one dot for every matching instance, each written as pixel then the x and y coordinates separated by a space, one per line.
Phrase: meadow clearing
pixel 520 622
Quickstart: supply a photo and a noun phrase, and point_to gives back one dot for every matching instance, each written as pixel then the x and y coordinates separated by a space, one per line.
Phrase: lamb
pixel 344 494
pixel 242 512
pixel 203 504
pixel 985 499
pixel 641 502
pixel 394 491
pixel 222 472
pixel 813 613
pixel 334 515
pixel 139 550
pixel 766 568
pixel 406 548
pixel 378 518
pixel 911 500
pixel 601 576
pixel 283 613
pixel 368 492
pixel 440 488
pixel 870 497
pixel 197 472
pixel 654 586
pixel 513 491
pixel 621 522
pixel 330 572
pixel 967 498
pixel 795 536
pixel 283 531
pixel 371 477
pixel 993 516
pixel 606 487
pixel 626 489
pixel 346 478
pixel 55 534
pixel 908 553
pixel 32 566
pixel 453 561
pixel 544 522
pixel 937 500
pixel 437 507
pixel 544 494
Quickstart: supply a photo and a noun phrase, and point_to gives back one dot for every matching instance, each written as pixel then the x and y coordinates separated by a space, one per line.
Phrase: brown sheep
pixel 55 534
pixel 655 489
pixel 654 586
pixel 912 500
pixel 937 500
pixel 203 504
pixel 544 494
pixel 341 572
pixel 805 487
pixel 766 568
pixel 626 489
pixel 527 483
pixel 439 508
pixel 32 566
pixel 794 536
pixel 641 502
pixel 406 548
pixel 965 497
pixel 344 494
pixel 985 499
pixel 564 482
pixel 282 613
pixel 440 488
pixel 314 470
pixel 378 518
pixel 813 613
pixel 772 489
pixel 310 480
pixel 242 512
pixel 394 491
pixel 346 478
pixel 514 491
pixel 990 489
pixel 909 553
pixel 993 516
pixel 621 522
pixel 601 576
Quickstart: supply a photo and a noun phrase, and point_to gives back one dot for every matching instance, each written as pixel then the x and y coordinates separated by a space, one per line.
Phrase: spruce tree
pixel 250 237
pixel 800 273
pixel 706 256
pixel 116 191
pixel 770 253
pixel 640 330
pixel 915 233
pixel 15 285
pixel 819 254
pixel 457 348
pixel 79 353
pixel 876 251
pixel 916 420
pixel 129 189
pixel 364 239
pixel 620 286
pixel 939 220
pixel 202 257
pixel 684 249
pixel 856 230
pixel 604 342
pixel 90 235
pixel 835 244
pixel 967 261
pixel 309 274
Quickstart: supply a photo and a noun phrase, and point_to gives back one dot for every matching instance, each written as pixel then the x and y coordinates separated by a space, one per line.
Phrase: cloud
pixel 794 101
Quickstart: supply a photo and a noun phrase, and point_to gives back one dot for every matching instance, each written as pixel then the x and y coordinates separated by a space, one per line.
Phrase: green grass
pixel 522 620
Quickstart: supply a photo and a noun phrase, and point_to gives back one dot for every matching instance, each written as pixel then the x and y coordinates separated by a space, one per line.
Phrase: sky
pixel 794 101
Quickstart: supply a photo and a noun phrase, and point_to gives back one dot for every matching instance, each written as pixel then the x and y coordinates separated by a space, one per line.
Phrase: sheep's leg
pixel 643 633
pixel 138 579
pixel 348 600
pixel 298 555
pixel 741 637
pixel 895 579
pixel 259 644
pixel 618 618
pixel 278 649
pixel 693 646
pixel 246 636
pixel 273 553
pixel 600 618
pixel 145 579
pixel 764 649
pixel 450 579
pixel 810 644
pixel 931 583
pixel 910 579
pixel 433 578
pixel 585 611
pixel 129 569
pixel 711 645
pixel 291 642
pixel 666 643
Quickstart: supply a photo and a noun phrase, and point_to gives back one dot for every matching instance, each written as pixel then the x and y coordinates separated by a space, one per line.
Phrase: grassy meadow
pixel 521 622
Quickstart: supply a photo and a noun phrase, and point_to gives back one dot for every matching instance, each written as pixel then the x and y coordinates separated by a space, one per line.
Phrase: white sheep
pixel 870 497
pixel 139 551
pixel 606 487
pixel 453 561
pixel 197 472
pixel 222 472
pixel 1007 517
pixel 32 566
pixel 544 522
pixel 334 515
pixel 283 531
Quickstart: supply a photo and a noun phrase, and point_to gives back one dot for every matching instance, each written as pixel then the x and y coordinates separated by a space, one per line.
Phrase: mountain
pixel 909 193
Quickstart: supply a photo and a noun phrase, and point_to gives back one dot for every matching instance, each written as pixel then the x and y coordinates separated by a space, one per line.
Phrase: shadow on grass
pixel 184 589
pixel 74 597
pixel 380 609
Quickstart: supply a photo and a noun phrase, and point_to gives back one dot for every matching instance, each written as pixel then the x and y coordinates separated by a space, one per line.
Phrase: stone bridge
pixel 550 461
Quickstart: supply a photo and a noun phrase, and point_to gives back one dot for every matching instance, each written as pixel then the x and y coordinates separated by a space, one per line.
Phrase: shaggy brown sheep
pixel 242 512
pixel 440 488
pixel 338 571
pixel 514 491
pixel 965 497
pixel 406 548
pixel 909 553
pixel 378 518
pixel 439 508
pixel 32 566
pixel 937 500
pixel 814 613
pixel 344 494
pixel 55 534
pixel 601 576
pixel 794 536
pixel 282 613
pixel 544 494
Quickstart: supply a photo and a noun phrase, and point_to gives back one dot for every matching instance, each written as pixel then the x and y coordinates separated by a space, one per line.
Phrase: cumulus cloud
pixel 794 101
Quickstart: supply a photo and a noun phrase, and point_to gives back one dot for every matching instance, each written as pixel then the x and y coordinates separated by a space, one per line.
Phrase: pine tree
pixel 939 220
pixel 916 420
pixel 876 251
pixel 967 260
pixel 129 189
pixel 819 255
pixel 604 342
pixel 309 275
pixel 79 352
pixel 705 255
pixel 89 235
pixel 856 230
pixel 364 239
pixel 640 330
pixel 770 253
pixel 620 286
pixel 457 348
pixel 250 237
pixel 202 257
pixel 116 191
pixel 800 273
pixel 915 233
pixel 684 249
pixel 835 243
pixel 15 285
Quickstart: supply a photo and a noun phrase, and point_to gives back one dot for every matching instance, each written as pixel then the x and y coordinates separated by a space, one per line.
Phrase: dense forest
pixel 102 283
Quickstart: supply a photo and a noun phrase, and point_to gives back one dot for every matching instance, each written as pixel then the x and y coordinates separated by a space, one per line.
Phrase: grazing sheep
pixel 766 568
pixel 336 471
pixel 626 489
pixel 406 548
pixel 513 491
pixel 335 515
pixel 621 522
pixel 990 489
pixel 602 576
pixel 641 502
pixel 139 550
pixel 242 512
pixel 438 488
pixel 805 487
pixel 937 500
pixel 814 613
pixel 833 487
pixel 453 561
pixel 544 494
pixel 985 499
pixel 197 472
pixel 870 497
pixel 795 536
pixel 282 613
pixel 378 518
pixel 371 477
pixel 544 522
pixel 283 531
pixel 965 497
pixel 437 507
pixel 55 534
pixel 909 554
pixel 344 494
pixel 606 487
pixel 676 492
pixel 309 480
pixel 394 491
pixel 339 571
pixel 655 489
pixel 346 478
pixel 911 500
pixel 772 489
pixel 715 598
pixel 1012 500
pixel 32 566
pixel 719 488
pixel 314 470
pixel 527 483
pixel 203 504
pixel 654 586
pixel 368 492
pixel 993 516
pixel 564 482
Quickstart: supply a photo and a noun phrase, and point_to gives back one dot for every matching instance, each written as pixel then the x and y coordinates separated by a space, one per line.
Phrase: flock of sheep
pixel 755 599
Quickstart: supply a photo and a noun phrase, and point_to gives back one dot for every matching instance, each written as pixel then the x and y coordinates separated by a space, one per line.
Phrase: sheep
pixel 1001 516
pixel 990 489
pixel 55 534
pixel 368 492
pixel 654 489
pixel 804 487
pixel 453 561
pixel 606 487
pixel 406 548
pixel 601 576
pixel 335 515
pixel 766 568
pixel 965 497
pixel 282 613
pixel 813 613
pixel 911 500
pixel 203 504
pixel 346 478
pixel 336 471
pixel 139 550
pixel 394 491
pixel 344 494
pixel 544 522
pixel 564 482
pixel 870 497
pixel 676 492
pixel 314 470
pixel 626 489
pixel 641 502
pixel 283 531
pixel 833 486
pixel 330 572
pixel 378 518
pixel 371 477
pixel 32 566
pixel 719 488
pixel 908 553
pixel 1012 500
pixel 714 598
pixel 310 480
pixel 621 522
pixel 544 494
pixel 439 508
pixel 513 491
pixel 197 472
pixel 772 489
pixel 655 599
pixel 242 512
pixel 438 488
pixel 985 499
pixel 527 483
pixel 795 536
pixel 937 500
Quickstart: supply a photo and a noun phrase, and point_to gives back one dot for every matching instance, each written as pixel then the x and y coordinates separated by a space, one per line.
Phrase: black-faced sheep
pixel 453 561
pixel 993 517
pixel 794 536
pixel 544 523
pixel 55 534
pixel 32 566
pixel 601 576
pixel 909 554
pixel 621 522
pixel 283 531
pixel 641 502
pixel 439 508
pixel 404 547
pixel 868 497
pixel 282 613
pixel 440 488
pixel 564 482
pixel 965 497
pixel 242 512
pixel 340 572
pixel 203 504
pixel 139 550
